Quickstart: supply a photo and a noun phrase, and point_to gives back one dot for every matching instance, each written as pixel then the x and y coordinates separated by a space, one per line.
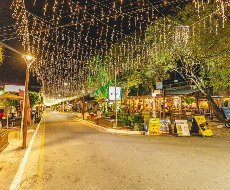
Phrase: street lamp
pixel 29 60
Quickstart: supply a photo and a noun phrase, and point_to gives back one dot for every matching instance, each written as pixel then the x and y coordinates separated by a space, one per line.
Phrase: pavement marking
pixel 15 184
pixel 40 163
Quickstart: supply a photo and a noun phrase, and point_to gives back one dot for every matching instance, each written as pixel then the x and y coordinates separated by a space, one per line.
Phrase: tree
pixel 197 46
pixel 34 98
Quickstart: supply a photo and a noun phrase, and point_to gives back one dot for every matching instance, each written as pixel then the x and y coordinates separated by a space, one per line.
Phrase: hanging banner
pixel 165 125
pixel 21 93
pixel 203 126
pixel 154 126
pixel 182 128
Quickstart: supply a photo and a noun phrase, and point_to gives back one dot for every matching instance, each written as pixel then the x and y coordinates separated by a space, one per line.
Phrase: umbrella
pixel 9 97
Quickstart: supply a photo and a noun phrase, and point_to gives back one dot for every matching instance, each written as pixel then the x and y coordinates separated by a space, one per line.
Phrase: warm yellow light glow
pixel 28 57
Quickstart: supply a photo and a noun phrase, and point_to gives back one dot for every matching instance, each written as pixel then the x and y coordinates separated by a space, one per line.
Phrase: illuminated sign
pixel 13 88
pixel 112 93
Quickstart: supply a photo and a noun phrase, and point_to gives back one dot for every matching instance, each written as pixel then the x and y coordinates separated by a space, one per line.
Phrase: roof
pixel 183 91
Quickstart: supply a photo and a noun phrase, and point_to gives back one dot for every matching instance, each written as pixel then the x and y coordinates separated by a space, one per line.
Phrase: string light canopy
pixel 74 42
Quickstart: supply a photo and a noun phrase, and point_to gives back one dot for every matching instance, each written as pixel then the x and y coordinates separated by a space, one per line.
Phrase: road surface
pixel 68 155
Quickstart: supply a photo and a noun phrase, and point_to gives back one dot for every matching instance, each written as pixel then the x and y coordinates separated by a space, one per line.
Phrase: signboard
pixel 157 91
pixel 112 93
pixel 226 111
pixel 165 125
pixel 154 126
pixel 203 126
pixel 159 85
pixel 182 128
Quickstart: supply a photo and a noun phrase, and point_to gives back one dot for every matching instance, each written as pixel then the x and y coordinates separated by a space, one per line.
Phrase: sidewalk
pixel 11 157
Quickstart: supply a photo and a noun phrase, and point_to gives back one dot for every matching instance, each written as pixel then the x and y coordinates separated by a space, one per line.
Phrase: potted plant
pixel 189 101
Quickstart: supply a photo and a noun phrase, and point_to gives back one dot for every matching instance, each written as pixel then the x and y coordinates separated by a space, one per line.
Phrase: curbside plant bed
pixel 110 129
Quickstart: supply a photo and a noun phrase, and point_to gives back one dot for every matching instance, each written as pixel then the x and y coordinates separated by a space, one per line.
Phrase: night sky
pixel 13 68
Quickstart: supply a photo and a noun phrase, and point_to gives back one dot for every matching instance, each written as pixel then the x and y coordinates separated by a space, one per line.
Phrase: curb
pixel 14 185
pixel 113 131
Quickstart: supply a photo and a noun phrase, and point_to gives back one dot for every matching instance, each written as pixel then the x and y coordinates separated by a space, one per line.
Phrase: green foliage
pixel 34 98
pixel 189 100
pixel 204 56
pixel 15 103
pixel 134 121
pixel 197 46
pixel 37 119
pixel 103 91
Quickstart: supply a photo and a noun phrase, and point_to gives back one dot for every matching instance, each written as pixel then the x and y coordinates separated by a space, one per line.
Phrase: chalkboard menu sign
pixel 226 111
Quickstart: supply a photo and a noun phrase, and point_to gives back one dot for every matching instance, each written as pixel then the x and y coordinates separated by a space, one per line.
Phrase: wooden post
pixel 25 109
pixel 197 101
pixel 83 109
pixel 133 104
pixel 143 104
pixel 180 103
pixel 163 103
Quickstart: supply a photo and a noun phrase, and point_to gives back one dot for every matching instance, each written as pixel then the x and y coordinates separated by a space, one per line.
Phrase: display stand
pixel 154 126
pixel 181 128
pixel 200 126
pixel 165 126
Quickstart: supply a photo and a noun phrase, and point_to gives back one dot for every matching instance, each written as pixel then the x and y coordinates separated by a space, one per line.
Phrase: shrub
pixel 37 119
pixel 132 120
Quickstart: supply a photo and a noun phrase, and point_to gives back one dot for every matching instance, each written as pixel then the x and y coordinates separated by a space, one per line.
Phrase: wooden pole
pixel 133 104
pixel 25 109
pixel 83 109
pixel 143 101
pixel 197 102
pixel 163 103
pixel 180 103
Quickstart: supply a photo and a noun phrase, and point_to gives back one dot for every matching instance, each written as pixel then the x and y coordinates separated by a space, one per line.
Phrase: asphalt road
pixel 75 156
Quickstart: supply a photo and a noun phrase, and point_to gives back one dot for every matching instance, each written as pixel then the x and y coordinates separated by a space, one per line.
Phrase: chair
pixel 4 122
pixel 18 121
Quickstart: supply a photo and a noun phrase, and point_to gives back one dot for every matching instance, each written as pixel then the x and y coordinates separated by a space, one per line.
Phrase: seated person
pixel 99 113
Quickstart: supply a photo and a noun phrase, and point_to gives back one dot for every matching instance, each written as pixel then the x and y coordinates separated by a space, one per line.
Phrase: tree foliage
pixel 34 98
pixel 189 100
pixel 196 45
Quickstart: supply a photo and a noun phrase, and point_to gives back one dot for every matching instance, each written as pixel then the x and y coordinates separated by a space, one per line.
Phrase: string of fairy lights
pixel 74 42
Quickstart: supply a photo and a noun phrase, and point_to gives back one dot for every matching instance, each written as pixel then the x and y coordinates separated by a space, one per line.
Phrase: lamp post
pixel 29 60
